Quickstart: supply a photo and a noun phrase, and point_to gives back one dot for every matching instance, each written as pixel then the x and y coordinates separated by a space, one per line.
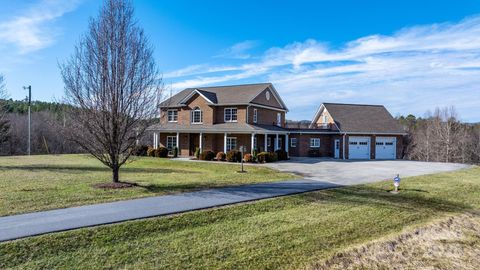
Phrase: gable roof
pixel 361 118
pixel 223 95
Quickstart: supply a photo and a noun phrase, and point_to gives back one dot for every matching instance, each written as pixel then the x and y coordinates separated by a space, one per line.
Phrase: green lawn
pixel 45 182
pixel 283 233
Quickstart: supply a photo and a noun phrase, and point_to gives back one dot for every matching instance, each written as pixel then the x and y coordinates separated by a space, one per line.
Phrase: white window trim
pixel 174 141
pixel 255 116
pixel 225 114
pixel 230 139
pixel 168 116
pixel 314 140
pixel 293 142
pixel 192 116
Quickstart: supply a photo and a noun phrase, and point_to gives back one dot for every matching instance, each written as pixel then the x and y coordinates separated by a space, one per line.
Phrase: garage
pixel 359 148
pixel 385 148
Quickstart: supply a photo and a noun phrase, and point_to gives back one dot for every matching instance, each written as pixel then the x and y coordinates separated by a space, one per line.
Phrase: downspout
pixel 343 150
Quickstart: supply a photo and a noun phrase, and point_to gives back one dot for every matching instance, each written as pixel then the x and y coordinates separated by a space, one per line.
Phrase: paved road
pixel 358 172
pixel 19 226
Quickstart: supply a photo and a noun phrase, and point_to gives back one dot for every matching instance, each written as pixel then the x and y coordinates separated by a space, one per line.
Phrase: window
pixel 267 95
pixel 279 119
pixel 231 143
pixel 362 143
pixel 255 142
pixel 314 142
pixel 230 115
pixel 352 143
pixel 171 142
pixel 172 115
pixel 325 119
pixel 379 143
pixel 255 115
pixel 389 143
pixel 269 141
pixel 293 142
pixel 197 116
pixel 280 143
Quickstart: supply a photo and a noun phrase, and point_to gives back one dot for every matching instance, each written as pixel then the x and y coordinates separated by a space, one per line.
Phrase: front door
pixel 194 143
pixel 337 148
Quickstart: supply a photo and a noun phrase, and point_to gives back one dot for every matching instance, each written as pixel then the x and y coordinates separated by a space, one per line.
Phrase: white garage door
pixel 385 148
pixel 359 148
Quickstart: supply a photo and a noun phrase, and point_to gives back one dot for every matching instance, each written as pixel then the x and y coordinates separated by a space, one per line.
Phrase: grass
pixel 289 232
pixel 46 182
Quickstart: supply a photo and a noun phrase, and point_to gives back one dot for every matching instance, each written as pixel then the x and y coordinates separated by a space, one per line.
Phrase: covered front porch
pixel 188 142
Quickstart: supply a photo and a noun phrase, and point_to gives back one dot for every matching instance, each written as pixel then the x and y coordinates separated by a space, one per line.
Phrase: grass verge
pixel 32 183
pixel 283 233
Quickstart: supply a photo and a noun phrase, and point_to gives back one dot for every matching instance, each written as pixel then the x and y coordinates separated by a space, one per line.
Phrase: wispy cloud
pixel 239 50
pixel 33 28
pixel 410 71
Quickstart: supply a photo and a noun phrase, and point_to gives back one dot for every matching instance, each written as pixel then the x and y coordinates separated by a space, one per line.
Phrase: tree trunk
pixel 115 171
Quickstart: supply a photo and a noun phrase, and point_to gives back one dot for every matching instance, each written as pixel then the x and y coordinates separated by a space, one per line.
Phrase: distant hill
pixel 21 106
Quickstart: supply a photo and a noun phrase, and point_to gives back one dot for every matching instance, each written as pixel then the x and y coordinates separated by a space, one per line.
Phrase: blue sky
pixel 411 56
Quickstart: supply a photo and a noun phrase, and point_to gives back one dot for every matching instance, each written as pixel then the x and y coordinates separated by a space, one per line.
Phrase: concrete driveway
pixel 357 172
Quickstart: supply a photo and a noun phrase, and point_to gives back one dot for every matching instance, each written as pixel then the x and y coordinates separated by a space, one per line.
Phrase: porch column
pixel 225 142
pixel 154 139
pixel 137 142
pixel 286 143
pixel 266 143
pixel 178 141
pixel 252 141
pixel 200 143
pixel 276 142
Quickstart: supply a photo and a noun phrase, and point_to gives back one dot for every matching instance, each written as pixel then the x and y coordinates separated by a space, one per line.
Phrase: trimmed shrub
pixel 254 155
pixel 281 154
pixel 313 153
pixel 139 150
pixel 263 157
pixel 207 155
pixel 175 152
pixel 221 156
pixel 150 151
pixel 273 157
pixel 232 156
pixel 197 153
pixel 248 158
pixel 161 152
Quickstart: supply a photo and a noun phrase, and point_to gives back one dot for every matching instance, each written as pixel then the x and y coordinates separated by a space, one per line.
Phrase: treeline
pixel 441 136
pixel 48 118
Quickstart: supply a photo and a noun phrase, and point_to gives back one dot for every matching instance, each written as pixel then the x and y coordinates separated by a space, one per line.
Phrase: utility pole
pixel 29 115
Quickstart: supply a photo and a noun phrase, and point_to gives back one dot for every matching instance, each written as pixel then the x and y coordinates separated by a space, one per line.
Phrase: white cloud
pixel 32 29
pixel 410 71
pixel 239 50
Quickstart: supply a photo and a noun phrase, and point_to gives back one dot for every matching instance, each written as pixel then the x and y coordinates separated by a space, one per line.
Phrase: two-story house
pixel 226 117
pixel 223 118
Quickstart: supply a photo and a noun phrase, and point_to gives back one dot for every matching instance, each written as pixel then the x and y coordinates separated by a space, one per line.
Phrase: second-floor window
pixel 230 115
pixel 172 115
pixel 197 116
pixel 255 115
pixel 279 119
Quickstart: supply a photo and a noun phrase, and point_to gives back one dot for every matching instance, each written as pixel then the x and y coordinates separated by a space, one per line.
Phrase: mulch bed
pixel 113 185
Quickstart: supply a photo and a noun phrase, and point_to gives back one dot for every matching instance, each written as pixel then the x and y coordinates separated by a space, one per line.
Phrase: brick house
pixel 224 118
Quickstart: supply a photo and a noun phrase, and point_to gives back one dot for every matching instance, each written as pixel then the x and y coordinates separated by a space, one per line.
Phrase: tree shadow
pixel 83 169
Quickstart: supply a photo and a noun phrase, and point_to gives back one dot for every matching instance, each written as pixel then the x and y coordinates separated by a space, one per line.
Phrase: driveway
pixel 357 172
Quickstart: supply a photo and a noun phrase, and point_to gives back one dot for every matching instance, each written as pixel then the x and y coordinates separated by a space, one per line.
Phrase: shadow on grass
pixel 83 169
pixel 407 199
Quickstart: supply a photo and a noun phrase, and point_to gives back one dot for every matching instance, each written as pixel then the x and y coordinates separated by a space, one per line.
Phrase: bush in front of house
pixel 248 158
pixel 151 152
pixel 254 155
pixel 221 156
pixel 314 153
pixel 161 152
pixel 207 155
pixel 197 153
pixel 175 152
pixel 232 156
pixel 139 150
pixel 273 157
pixel 263 157
pixel 281 154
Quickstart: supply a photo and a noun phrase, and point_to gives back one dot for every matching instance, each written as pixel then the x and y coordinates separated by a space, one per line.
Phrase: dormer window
pixel 172 115
pixel 230 115
pixel 197 116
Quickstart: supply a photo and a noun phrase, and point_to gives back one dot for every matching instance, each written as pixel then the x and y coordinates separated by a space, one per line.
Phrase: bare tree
pixel 4 123
pixel 112 82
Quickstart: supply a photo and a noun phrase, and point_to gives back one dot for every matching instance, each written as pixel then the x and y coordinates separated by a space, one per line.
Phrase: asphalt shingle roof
pixel 363 118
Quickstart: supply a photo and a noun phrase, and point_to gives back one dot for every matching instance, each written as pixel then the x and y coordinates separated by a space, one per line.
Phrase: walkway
pixel 19 226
